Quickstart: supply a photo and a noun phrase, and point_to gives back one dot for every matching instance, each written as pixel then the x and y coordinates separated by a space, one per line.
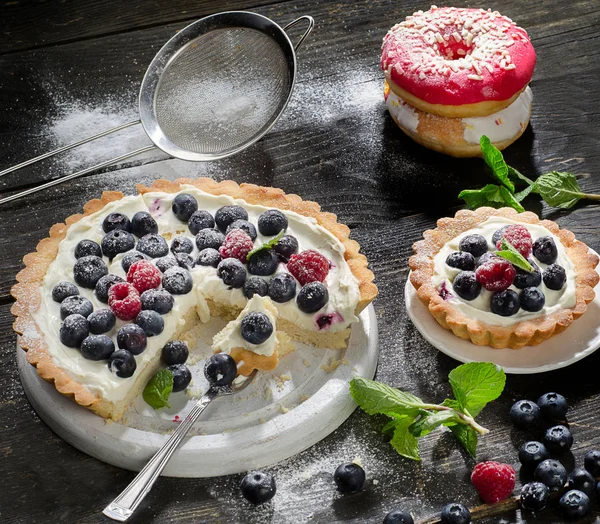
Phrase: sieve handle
pixel 311 25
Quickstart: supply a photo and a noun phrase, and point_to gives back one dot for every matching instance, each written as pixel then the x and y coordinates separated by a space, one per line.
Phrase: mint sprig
pixel 474 385
pixel 508 252
pixel 159 388
pixel 270 244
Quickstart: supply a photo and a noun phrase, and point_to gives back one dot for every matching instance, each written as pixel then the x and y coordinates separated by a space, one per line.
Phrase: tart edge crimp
pixel 29 280
pixel 524 333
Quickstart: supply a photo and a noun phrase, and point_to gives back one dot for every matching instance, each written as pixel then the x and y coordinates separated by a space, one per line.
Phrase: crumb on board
pixel 334 364
pixel 306 362
pixel 283 409
pixel 304 398
pixel 357 461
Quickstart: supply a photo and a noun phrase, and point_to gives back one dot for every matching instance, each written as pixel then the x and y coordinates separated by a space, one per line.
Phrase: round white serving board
pixel 581 339
pixel 279 415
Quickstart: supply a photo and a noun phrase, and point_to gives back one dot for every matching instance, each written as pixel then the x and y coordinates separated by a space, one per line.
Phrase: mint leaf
pixel 521 195
pixel 376 397
pixel 388 429
pixel 428 422
pixel 494 159
pixel 486 196
pixel 267 245
pixel 467 436
pixel 475 384
pixel 403 441
pixel 559 189
pixel 159 387
pixel 510 200
pixel 509 253
pixel 518 177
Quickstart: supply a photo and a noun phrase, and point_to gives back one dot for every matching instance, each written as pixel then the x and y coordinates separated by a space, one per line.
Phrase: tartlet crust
pixel 518 335
pixel 29 280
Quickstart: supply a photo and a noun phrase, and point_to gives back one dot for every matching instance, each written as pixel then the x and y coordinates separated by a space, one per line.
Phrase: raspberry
pixel 493 481
pixel 144 275
pixel 237 244
pixel 496 274
pixel 124 300
pixel 308 266
pixel 519 238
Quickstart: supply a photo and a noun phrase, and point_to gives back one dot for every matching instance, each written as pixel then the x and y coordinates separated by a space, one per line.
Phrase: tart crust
pixel 524 333
pixel 29 280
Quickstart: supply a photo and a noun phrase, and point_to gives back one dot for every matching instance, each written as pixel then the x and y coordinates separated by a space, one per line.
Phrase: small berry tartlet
pixel 503 279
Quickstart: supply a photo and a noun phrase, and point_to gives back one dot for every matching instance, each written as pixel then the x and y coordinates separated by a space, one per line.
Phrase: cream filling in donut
pixel 480 307
pixel 498 127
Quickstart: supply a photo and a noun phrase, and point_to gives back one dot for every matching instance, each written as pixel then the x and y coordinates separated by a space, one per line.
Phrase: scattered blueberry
pixel 532 453
pixel 130 258
pixel 143 224
pixel 397 516
pixel 582 480
pixel 461 260
pixel 272 222
pixel 117 241
pixel 166 263
pixel 209 238
pixel 220 369
pixel 286 247
pixel 505 303
pixel 554 406
pixel 88 270
pixel 525 279
pixel 256 327
pixel 132 338
pixel 122 363
pixel 544 249
pixel 558 439
pixel 258 487
pixel 181 377
pixel 101 321
pixel 551 473
pixel 184 206
pixel 104 284
pixel 185 260
pixel 181 244
pixel 534 496
pixel 498 234
pixel 455 514
pixel 465 285
pixel 175 352
pixel 115 221
pixel 232 272
pixel 177 281
pixel 574 504
pixel 554 277
pixel 153 245
pixel 228 214
pixel 245 226
pixel 591 462
pixel 312 297
pixel 63 290
pixel 532 299
pixel 475 244
pixel 282 288
pixel 200 220
pixel 524 413
pixel 208 257
pixel 151 322
pixel 74 330
pixel 158 300
pixel 75 305
pixel 349 477
pixel 255 285
pixel 263 263
pixel 85 248
pixel 97 347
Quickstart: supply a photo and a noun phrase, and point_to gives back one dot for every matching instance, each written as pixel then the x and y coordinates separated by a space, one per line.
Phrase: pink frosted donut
pixel 458 62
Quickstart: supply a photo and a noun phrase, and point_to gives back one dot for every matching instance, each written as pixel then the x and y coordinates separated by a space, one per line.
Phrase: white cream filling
pixel 480 307
pixel 95 376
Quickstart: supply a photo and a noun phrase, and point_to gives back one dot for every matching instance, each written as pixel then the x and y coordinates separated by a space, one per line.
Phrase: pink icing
pixel 454 56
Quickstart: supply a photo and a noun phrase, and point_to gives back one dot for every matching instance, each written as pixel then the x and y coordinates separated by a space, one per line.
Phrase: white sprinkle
pixel 474 77
pixel 509 67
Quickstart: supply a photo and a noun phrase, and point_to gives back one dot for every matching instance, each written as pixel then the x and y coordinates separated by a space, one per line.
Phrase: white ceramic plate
pixel 581 339
pixel 279 415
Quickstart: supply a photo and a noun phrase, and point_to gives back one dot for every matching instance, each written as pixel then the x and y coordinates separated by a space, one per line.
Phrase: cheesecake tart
pixel 99 299
pixel 503 279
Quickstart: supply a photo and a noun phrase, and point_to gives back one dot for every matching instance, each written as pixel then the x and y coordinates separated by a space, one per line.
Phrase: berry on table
pixel 461 260
pixel 143 275
pixel 85 248
pixel 151 322
pixel 181 377
pixel 209 238
pixel 177 281
pixel 124 300
pixel 258 487
pixel 142 224
pixel 286 247
pixel 496 275
pixel 272 222
pixel 237 244
pixel 115 221
pixel 153 245
pixel 553 405
pixel 255 286
pixel 175 352
pixel 505 303
pixel 220 370
pixel 245 226
pixel 263 263
pixel 308 266
pixel 534 496
pixel 228 214
pixel 525 413
pixel 554 277
pixel 465 285
pixel 551 473
pixel 208 257
pixel 184 205
pixel 532 453
pixel 312 297
pixel 349 477
pixel 455 513
pixel 397 516
pixel 101 321
pixel 122 363
pixel 181 244
pixel 88 270
pixel 159 300
pixel 74 329
pixel 574 504
pixel 282 288
pixel 544 249
pixel 132 338
pixel 63 290
pixel 232 272
pixel 256 328
pixel 475 244
pixel 103 286
pixel 532 299
pixel 130 258
pixel 166 263
pixel 525 279
pixel 518 237
pixel 200 219
pixel 97 347
pixel 117 241
pixel 493 481
pixel 582 480
pixel 558 439
pixel 591 462
pixel 76 305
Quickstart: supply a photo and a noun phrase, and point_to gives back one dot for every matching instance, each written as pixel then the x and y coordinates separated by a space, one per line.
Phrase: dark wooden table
pixel 68 69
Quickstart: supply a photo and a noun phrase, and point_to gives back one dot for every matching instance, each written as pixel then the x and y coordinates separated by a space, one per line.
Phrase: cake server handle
pixel 125 504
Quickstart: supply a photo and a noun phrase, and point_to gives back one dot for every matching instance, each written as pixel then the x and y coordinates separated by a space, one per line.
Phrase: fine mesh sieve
pixel 212 90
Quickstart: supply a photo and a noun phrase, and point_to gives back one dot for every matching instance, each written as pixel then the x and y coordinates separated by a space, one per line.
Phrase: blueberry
pixel 228 214
pixel 553 405
pixel 544 249
pixel 101 321
pixel 258 487
pixel 272 222
pixel 122 363
pixel 117 241
pixel 486 257
pixel 282 288
pixel 208 257
pixel 175 352
pixel 209 238
pixel 153 245
pixel 551 473
pixel 574 504
pixel 312 297
pixel 263 263
pixel 158 300
pixel 166 263
pixel 286 247
pixel 232 272
pixel 115 221
pixel 181 377
pixel 181 245
pixel 88 270
pixel 97 347
pixel 465 285
pixel 554 277
pixel 220 369
pixel 63 290
pixel 532 453
pixel 582 480
pixel 200 220
pixel 151 322
pixel 525 279
pixel 256 327
pixel 130 258
pixel 85 248
pixel 143 224
pixel 455 514
pixel 74 330
pixel 591 462
pixel 534 496
pixel 177 281
pixel 461 260
pixel 397 516
pixel 132 338
pixel 245 226
pixel 255 285
pixel 104 284
pixel 75 305
pixel 184 206
pixel 498 234
pixel 349 477
pixel 525 413
pixel 505 303
pixel 558 439
pixel 475 244
pixel 532 299
pixel 185 260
